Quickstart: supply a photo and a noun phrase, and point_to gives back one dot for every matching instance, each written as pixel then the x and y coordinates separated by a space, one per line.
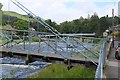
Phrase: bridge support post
pixel 27 59
pixel 24 40
pixel 82 39
pixel 10 54
pixel 46 59
pixel 87 63
pixel 69 66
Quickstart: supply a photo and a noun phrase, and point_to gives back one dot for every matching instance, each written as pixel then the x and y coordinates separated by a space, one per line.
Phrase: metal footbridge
pixel 67 47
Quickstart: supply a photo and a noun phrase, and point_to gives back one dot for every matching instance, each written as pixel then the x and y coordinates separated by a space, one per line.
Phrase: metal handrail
pixel 99 71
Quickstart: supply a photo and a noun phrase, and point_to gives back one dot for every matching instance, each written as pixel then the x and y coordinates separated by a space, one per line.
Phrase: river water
pixel 16 68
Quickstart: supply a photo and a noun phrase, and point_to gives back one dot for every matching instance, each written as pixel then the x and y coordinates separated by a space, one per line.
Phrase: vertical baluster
pixel 56 45
pixel 39 43
pixel 24 40
pixel 11 41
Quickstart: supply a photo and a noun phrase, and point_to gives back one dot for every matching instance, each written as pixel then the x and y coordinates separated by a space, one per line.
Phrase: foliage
pixel 93 24
pixel 117 34
pixel 53 24
pixel 21 25
pixel 3 22
pixel 1 6
pixel 61 71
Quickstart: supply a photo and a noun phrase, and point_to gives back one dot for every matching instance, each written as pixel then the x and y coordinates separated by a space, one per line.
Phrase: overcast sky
pixel 62 10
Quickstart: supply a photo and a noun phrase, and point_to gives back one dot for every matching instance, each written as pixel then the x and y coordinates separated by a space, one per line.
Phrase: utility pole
pixel 113 26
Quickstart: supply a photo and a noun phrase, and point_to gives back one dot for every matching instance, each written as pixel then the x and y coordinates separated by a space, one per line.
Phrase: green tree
pixel 0 13
pixel 76 26
pixel 103 25
pixel 93 24
pixel 21 25
pixel 1 6
pixel 52 24
pixel 85 26
pixel 65 27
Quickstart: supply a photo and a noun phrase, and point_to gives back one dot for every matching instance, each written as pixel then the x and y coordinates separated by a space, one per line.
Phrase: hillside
pixel 17 15
pixel 11 16
pixel 94 24
pixel 22 22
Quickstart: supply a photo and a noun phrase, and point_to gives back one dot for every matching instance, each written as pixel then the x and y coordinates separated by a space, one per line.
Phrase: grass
pixel 60 71
pixel 19 16
pixel 3 40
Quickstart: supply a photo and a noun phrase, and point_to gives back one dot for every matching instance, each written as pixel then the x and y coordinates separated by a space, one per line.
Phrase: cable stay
pixel 85 47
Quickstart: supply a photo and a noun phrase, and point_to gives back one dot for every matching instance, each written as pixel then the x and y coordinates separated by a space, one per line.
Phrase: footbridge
pixel 34 45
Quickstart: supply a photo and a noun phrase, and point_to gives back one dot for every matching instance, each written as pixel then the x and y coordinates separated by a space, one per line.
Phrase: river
pixel 16 68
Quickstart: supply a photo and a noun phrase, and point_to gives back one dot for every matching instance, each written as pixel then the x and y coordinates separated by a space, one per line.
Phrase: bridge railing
pixel 79 45
pixel 102 57
pixel 110 46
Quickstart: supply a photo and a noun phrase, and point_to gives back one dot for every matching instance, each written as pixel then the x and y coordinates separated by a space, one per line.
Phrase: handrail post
pixel 24 40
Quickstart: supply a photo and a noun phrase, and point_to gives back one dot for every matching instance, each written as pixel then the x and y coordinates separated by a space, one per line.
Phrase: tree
pixel 1 6
pixel 76 26
pixel 93 24
pixel 52 24
pixel 103 25
pixel 66 27
pixel 0 13
pixel 21 25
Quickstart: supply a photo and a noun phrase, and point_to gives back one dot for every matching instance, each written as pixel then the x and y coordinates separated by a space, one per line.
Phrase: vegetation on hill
pixel 0 13
pixel 14 14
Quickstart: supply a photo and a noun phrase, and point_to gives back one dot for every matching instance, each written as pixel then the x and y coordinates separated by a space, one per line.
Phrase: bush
pixel 117 34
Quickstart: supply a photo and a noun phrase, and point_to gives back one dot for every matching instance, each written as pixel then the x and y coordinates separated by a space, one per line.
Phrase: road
pixel 112 69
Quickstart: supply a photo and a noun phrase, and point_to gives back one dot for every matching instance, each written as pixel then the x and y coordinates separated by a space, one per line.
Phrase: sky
pixel 64 10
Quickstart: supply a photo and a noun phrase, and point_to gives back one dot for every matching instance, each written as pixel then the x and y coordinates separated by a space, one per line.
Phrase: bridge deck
pixel 45 54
